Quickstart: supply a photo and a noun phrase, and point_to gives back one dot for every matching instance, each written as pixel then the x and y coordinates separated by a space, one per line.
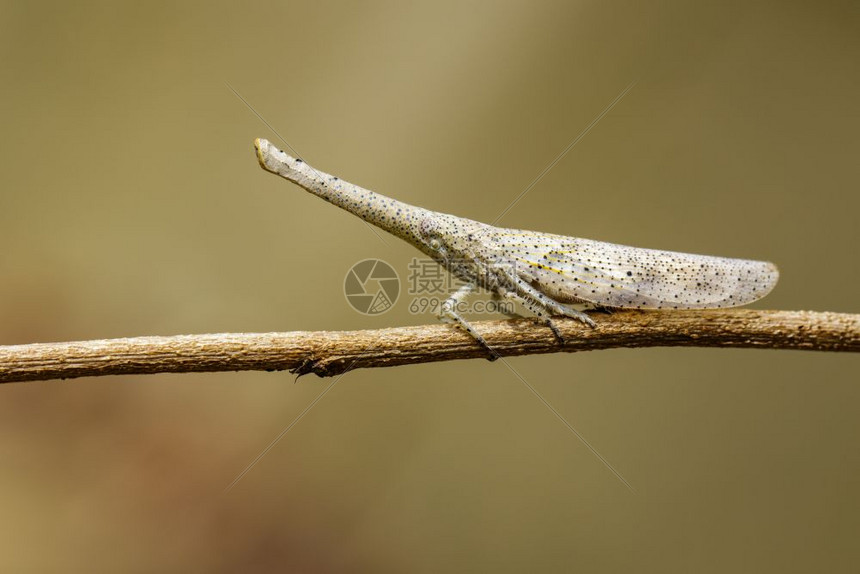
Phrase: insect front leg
pixel 448 313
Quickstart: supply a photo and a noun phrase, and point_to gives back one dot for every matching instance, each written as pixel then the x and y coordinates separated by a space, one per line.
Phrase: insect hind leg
pixel 539 310
pixel 605 310
pixel 501 296
pixel 541 305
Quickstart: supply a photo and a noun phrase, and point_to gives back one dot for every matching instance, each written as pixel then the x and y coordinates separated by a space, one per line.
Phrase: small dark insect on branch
pixel 328 353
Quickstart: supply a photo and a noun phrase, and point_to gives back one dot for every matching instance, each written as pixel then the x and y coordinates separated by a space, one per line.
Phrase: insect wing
pixel 569 270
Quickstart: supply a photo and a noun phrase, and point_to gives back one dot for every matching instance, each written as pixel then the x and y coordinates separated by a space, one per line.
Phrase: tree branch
pixel 329 353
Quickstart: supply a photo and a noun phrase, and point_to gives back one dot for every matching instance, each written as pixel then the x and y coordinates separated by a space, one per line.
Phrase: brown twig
pixel 328 353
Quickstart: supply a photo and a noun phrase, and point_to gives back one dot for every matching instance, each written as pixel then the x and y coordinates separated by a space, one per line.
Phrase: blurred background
pixel 131 204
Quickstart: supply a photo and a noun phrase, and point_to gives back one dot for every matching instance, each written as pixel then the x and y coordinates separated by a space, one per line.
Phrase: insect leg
pixel 546 305
pixel 448 313
pixel 502 296
pixel 554 307
pixel 538 309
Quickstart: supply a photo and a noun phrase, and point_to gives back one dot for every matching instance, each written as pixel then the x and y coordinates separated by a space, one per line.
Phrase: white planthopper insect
pixel 541 271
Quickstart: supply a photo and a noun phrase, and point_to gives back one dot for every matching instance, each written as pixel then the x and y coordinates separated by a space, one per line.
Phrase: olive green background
pixel 131 203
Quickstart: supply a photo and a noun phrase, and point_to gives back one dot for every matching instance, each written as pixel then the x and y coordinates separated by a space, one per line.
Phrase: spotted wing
pixel 570 269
